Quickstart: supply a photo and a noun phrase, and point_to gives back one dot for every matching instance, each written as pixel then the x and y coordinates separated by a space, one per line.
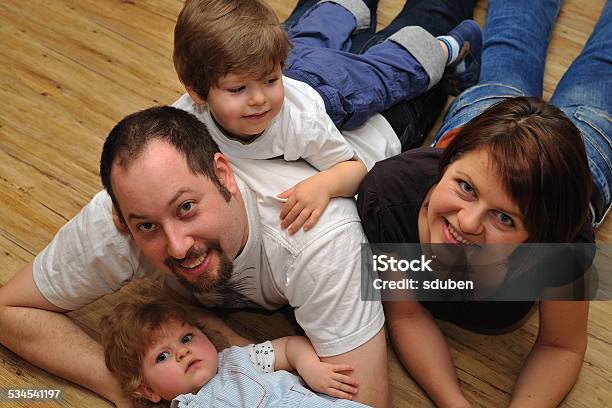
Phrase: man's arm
pixel 555 360
pixel 369 363
pixel 42 334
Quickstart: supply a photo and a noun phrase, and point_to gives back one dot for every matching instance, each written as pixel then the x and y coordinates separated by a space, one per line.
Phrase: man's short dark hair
pixel 180 129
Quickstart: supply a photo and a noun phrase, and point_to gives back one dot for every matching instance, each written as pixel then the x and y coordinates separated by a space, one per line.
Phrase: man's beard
pixel 204 282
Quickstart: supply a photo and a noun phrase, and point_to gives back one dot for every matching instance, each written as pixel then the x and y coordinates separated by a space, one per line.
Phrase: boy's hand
pixel 306 201
pixel 327 379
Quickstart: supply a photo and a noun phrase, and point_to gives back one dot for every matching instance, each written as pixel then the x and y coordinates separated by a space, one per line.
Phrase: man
pixel 217 237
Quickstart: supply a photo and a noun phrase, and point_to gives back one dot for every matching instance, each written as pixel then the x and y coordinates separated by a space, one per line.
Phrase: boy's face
pixel 181 361
pixel 244 106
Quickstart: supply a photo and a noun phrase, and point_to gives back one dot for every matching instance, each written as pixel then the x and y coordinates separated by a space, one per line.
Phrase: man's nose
pixel 179 242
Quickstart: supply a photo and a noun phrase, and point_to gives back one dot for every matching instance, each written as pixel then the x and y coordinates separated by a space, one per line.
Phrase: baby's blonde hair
pixel 131 329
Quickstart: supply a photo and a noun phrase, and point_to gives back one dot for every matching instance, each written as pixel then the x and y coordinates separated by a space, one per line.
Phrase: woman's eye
pixel 465 187
pixel 187 338
pixel 162 356
pixel 147 227
pixel 505 219
pixel 185 208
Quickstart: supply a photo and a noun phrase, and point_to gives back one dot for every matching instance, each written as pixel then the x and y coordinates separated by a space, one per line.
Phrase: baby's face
pixel 181 361
pixel 244 106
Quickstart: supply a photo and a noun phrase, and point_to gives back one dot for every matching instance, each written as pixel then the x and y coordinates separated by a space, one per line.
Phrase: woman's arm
pixel 552 367
pixel 421 347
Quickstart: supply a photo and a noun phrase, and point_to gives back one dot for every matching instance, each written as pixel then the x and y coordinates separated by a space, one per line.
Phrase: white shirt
pixel 317 272
pixel 302 129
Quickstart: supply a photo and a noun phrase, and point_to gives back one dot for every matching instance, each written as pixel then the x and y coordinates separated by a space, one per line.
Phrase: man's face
pixel 180 220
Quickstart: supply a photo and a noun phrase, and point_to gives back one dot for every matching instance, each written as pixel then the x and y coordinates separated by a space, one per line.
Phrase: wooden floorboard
pixel 70 69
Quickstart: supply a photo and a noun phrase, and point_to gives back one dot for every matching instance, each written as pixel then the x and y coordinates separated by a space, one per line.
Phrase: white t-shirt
pixel 302 129
pixel 317 272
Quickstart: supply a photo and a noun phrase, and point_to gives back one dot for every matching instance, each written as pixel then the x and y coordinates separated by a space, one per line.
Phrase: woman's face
pixel 470 206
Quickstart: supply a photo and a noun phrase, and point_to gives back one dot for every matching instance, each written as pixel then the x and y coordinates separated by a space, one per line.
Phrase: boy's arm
pixel 42 334
pixel 307 200
pixel 296 352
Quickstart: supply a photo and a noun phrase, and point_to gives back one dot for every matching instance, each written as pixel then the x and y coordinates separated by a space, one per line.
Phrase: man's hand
pixel 306 201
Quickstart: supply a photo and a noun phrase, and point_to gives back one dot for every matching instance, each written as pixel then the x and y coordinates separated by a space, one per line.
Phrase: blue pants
pixel 515 44
pixel 410 119
pixel 356 86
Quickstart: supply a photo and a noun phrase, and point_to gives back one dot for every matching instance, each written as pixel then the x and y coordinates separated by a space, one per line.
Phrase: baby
pixel 157 351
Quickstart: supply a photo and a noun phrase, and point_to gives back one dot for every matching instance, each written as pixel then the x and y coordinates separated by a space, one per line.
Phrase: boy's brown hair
pixel 216 37
pixel 131 329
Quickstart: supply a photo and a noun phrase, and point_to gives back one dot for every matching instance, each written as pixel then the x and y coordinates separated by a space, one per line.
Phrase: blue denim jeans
pixel 516 39
pixel 411 119
pixel 356 86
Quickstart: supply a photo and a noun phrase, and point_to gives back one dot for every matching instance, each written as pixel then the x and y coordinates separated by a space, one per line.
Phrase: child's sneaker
pixel 465 71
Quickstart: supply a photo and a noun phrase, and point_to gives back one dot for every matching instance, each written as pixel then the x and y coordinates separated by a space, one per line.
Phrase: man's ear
pixel 148 393
pixel 225 173
pixel 195 96
pixel 121 227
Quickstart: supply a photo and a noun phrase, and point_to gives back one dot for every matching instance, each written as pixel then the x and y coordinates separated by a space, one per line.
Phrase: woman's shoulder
pixel 401 177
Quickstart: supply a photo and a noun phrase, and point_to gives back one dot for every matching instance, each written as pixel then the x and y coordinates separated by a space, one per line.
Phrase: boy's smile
pixel 243 105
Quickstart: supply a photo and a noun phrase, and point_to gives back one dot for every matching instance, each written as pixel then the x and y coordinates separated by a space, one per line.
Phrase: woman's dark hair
pixel 541 160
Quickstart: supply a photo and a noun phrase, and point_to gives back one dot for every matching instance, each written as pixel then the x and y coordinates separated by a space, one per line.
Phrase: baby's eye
pixel 272 80
pixel 162 356
pixel 236 89
pixel 187 338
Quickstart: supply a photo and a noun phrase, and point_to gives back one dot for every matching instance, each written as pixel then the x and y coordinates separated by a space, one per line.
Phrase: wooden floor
pixel 69 70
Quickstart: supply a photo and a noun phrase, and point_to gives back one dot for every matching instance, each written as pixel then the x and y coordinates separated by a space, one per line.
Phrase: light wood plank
pixel 70 69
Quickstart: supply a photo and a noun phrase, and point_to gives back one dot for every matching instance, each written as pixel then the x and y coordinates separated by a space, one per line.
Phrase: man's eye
pixel 187 338
pixel 147 227
pixel 162 356
pixel 185 208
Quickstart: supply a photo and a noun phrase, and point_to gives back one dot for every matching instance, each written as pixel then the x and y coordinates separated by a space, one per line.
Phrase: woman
pixel 513 172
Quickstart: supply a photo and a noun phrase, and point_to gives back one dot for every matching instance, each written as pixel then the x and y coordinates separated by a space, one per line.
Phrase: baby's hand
pixel 327 378
pixel 306 201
